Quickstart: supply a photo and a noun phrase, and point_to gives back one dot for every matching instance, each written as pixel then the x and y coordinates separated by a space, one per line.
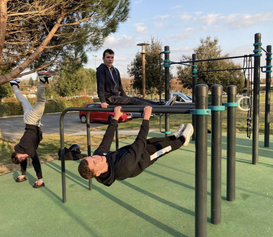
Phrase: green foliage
pixel 70 26
pixel 12 106
pixel 5 91
pixel 81 101
pixel 57 105
pixel 151 68
pixel 4 110
pixel 30 82
pixel 75 82
pixel 15 108
pixel 210 49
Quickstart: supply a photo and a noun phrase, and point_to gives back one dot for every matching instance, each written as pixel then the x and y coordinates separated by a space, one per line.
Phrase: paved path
pixel 13 127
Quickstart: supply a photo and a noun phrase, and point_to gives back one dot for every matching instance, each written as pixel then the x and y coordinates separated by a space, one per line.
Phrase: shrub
pixel 32 101
pixel 10 99
pixel 4 110
pixel 12 106
pixel 97 100
pixel 81 101
pixel 50 106
pixel 15 108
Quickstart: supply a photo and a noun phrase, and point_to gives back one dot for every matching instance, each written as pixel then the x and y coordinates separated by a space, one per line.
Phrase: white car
pixel 181 98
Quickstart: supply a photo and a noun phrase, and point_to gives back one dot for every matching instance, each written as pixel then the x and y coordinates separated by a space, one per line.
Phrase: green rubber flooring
pixel 159 202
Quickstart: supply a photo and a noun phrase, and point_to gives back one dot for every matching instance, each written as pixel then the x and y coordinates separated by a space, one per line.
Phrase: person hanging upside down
pixel 131 160
pixel 27 147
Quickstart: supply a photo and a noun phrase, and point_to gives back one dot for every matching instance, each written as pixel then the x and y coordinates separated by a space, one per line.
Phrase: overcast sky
pixel 181 24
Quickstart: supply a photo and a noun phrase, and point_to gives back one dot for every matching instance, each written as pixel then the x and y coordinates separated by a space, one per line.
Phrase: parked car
pixel 102 116
pixel 181 98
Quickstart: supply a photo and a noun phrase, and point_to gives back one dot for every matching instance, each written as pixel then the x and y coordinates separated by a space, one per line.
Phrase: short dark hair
pixel 110 51
pixel 14 158
pixel 85 171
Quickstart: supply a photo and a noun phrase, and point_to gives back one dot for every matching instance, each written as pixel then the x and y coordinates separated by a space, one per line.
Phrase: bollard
pixel 88 143
pixel 201 104
pixel 231 141
pixel 256 99
pixel 267 96
pixel 194 76
pixel 216 152
pixel 167 90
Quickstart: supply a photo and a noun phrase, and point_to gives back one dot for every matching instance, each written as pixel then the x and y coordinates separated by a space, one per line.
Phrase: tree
pixel 70 83
pixel 210 49
pixel 88 78
pixel 31 82
pixel 5 91
pixel 152 57
pixel 37 33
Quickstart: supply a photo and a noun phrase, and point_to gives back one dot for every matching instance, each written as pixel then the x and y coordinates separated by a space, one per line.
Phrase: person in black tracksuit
pixel 110 89
pixel 27 147
pixel 131 160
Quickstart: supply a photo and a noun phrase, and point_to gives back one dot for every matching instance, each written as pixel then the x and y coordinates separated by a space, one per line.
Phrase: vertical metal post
pixel 143 51
pixel 143 76
pixel 201 163
pixel 160 86
pixel 62 156
pixel 231 142
pixel 88 142
pixel 256 100
pixel 216 154
pixel 267 96
pixel 167 91
pixel 117 142
pixel 194 76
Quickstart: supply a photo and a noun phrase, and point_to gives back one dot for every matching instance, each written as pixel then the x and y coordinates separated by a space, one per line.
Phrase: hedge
pixel 12 107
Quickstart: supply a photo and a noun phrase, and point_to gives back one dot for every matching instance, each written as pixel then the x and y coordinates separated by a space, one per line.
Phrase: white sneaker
pixel 14 82
pixel 44 75
pixel 44 79
pixel 187 133
pixel 171 101
pixel 179 130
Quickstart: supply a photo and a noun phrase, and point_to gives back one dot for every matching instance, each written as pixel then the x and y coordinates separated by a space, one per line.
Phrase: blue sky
pixel 181 24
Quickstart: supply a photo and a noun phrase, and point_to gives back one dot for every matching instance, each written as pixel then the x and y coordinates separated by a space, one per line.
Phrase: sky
pixel 181 24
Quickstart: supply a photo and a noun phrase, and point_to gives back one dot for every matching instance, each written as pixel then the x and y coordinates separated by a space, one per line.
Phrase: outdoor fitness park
pixel 160 202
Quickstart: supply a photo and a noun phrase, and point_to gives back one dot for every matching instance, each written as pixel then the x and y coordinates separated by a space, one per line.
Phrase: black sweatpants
pixel 159 146
pixel 126 100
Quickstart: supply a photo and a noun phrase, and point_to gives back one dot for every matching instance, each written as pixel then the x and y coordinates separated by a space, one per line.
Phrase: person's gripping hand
pixel 104 105
pixel 117 112
pixel 147 112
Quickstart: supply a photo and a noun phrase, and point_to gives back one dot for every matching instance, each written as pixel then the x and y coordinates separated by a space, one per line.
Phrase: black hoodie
pixel 108 83
pixel 28 145
pixel 128 161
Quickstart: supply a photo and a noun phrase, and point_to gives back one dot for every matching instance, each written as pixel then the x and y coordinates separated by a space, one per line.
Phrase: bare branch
pixel 38 69
pixel 60 45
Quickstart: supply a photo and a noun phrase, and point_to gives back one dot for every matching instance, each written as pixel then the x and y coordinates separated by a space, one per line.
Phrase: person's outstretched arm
pixel 108 137
pixel 130 161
